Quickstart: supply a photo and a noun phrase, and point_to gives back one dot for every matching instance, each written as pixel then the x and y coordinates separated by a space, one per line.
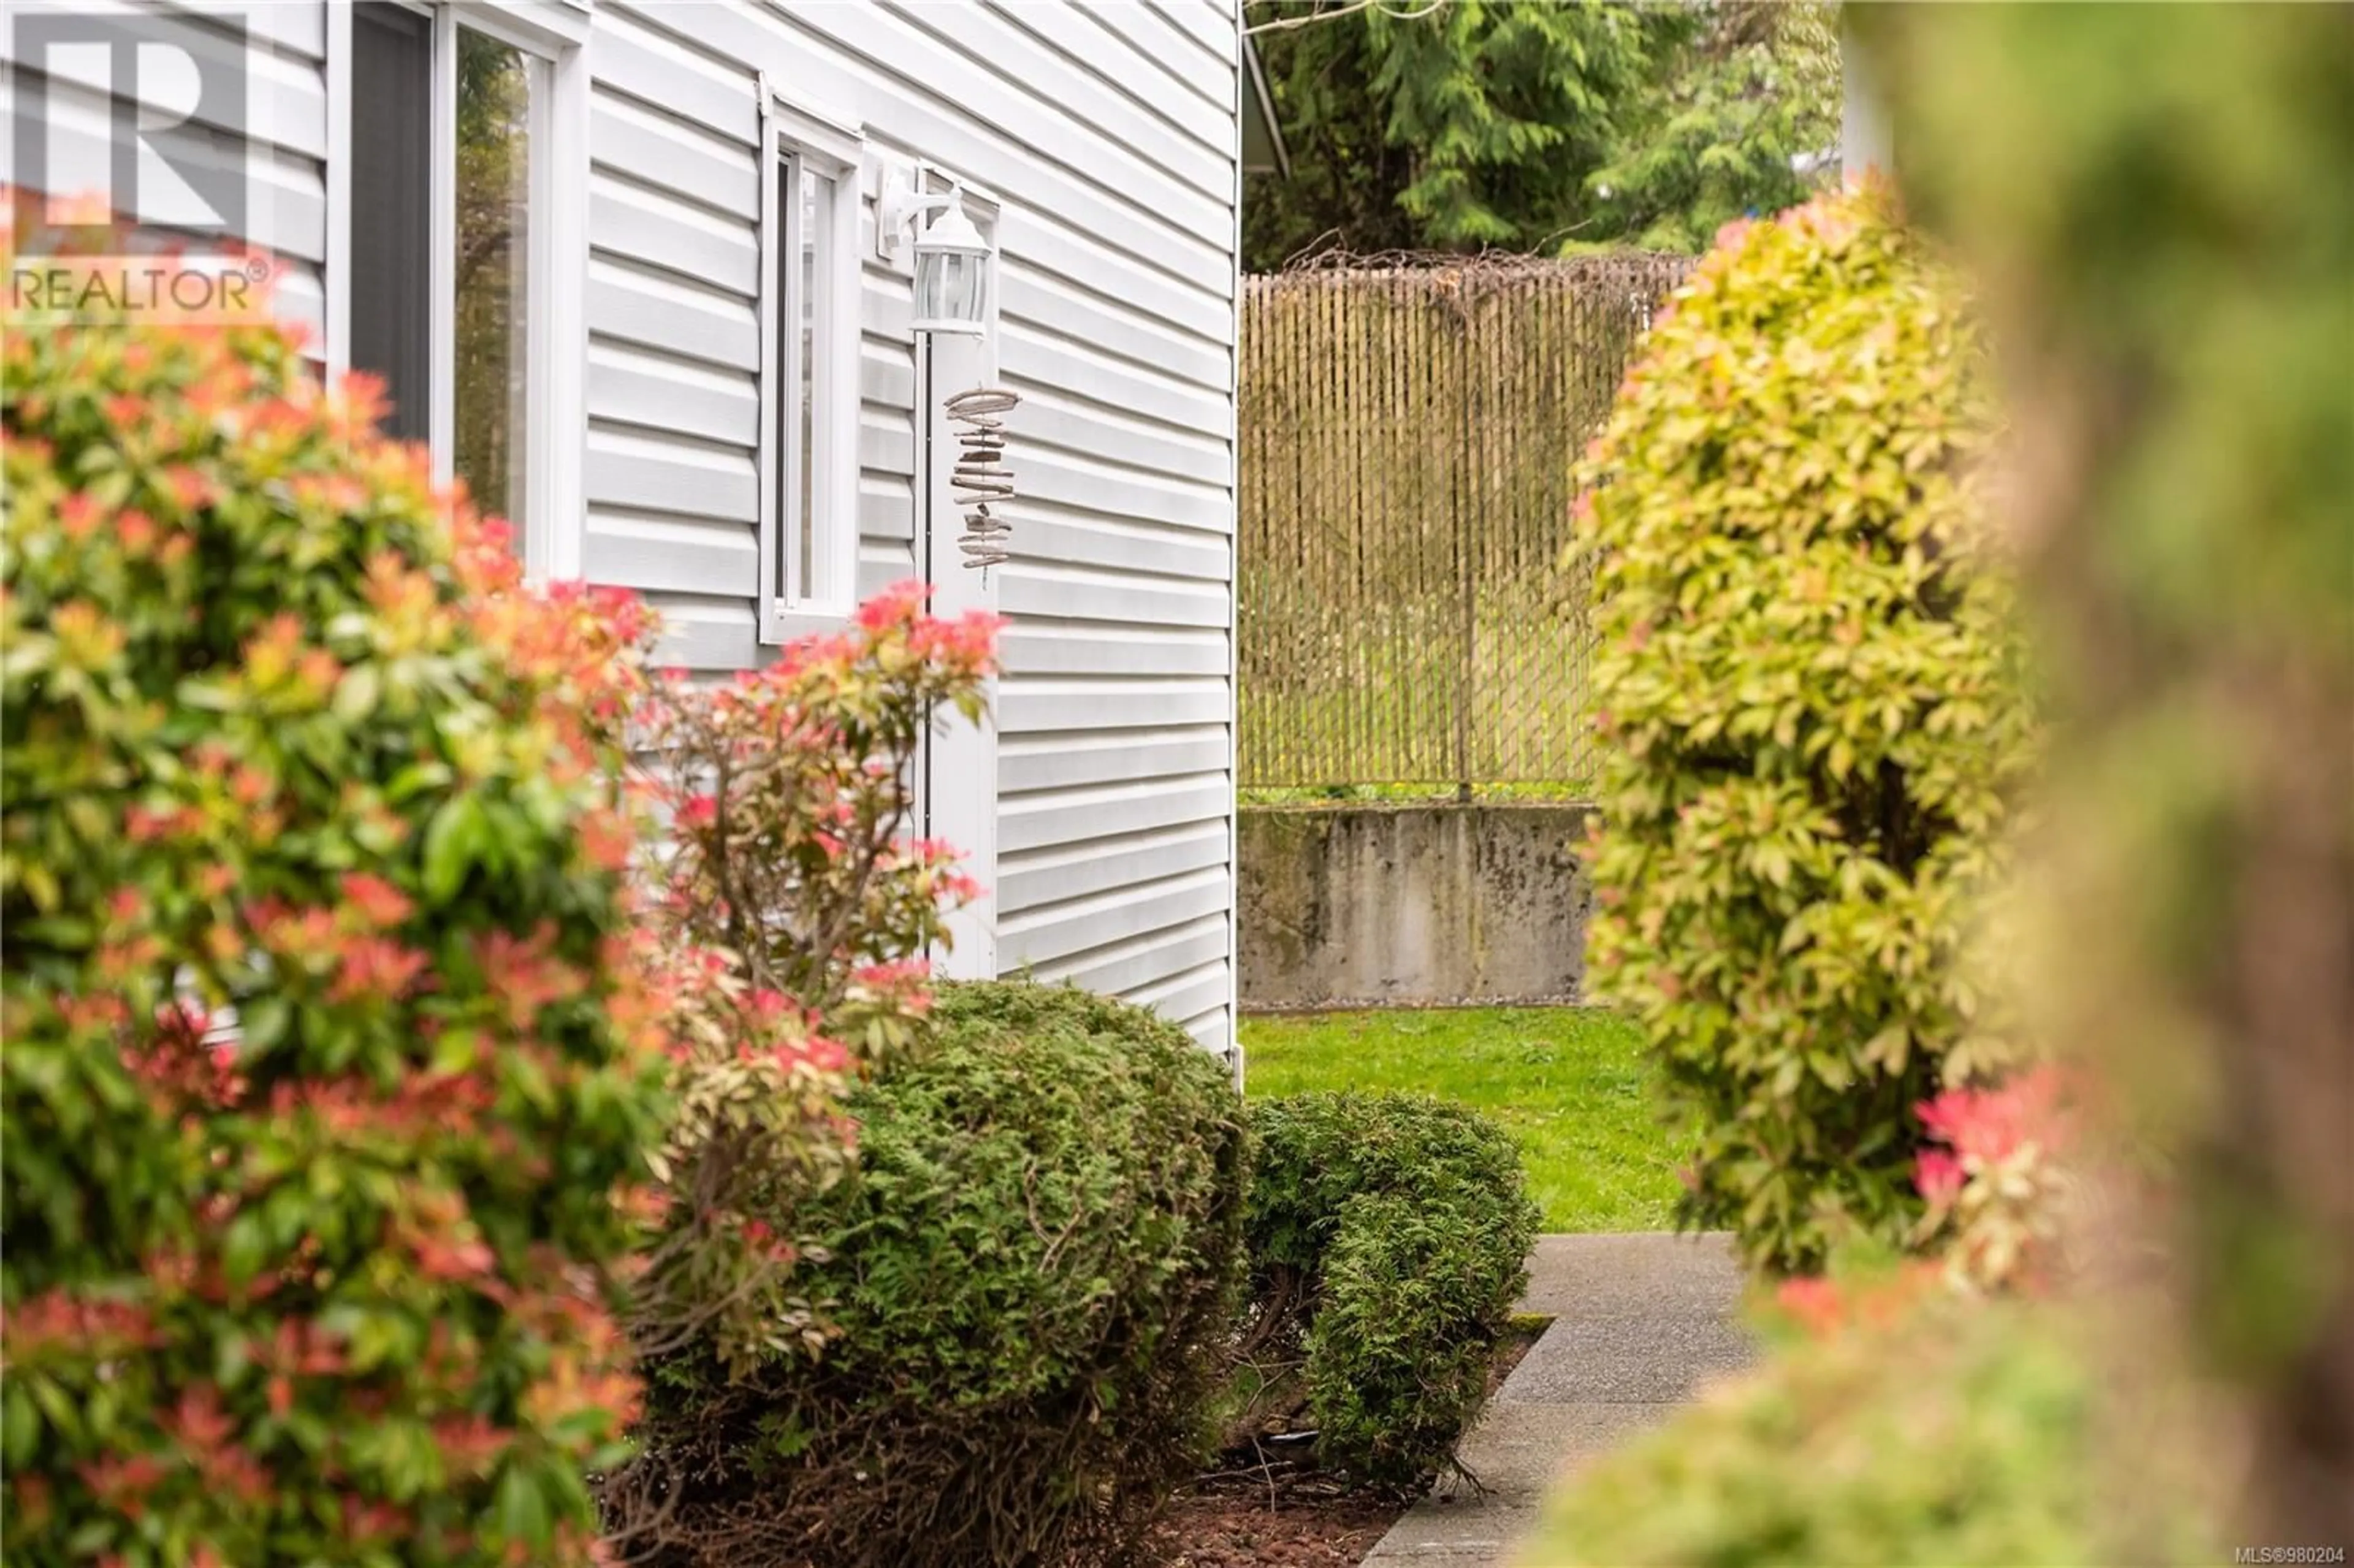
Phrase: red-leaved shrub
pixel 797 910
pixel 283 736
pixel 378 1096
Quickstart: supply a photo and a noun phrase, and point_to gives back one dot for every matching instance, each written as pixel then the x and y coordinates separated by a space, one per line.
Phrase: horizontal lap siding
pixel 283 150
pixel 672 477
pixel 1108 131
pixel 1115 859
pixel 673 350
pixel 1110 139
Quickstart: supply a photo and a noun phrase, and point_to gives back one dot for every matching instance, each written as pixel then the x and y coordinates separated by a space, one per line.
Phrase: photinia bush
pixel 797 910
pixel 341 1026
pixel 284 742
pixel 1811 717
pixel 788 793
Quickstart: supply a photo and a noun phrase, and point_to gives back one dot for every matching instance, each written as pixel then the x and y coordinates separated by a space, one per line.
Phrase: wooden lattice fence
pixel 1407 437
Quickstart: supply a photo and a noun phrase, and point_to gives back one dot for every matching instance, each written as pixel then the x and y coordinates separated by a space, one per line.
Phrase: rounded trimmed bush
pixel 1389 1238
pixel 285 741
pixel 1811 719
pixel 1033 1277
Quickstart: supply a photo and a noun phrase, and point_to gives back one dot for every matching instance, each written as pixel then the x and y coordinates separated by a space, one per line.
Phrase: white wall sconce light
pixel 953 258
pixel 953 267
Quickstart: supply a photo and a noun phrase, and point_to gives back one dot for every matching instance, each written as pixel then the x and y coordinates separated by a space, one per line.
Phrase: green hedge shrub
pixel 1389 1238
pixel 1811 718
pixel 281 733
pixel 1033 1274
pixel 1951 1431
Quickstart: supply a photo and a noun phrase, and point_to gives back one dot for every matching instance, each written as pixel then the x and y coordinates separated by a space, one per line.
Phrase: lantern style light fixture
pixel 951 272
pixel 952 259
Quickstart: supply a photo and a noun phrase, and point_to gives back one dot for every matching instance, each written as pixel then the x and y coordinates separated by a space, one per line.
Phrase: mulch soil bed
pixel 1263 1508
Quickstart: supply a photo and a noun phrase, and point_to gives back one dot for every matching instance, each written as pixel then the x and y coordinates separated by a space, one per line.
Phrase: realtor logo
pixel 130 153
pixel 136 118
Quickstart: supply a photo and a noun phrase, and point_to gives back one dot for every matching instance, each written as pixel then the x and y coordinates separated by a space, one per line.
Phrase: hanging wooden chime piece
pixel 982 480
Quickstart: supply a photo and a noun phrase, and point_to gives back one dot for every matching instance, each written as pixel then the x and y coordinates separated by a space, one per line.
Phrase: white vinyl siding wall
pixel 286 134
pixel 674 348
pixel 1114 839
pixel 1108 131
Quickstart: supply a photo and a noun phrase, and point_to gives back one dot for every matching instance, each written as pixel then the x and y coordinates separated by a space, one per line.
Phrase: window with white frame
pixel 461 206
pixel 809 385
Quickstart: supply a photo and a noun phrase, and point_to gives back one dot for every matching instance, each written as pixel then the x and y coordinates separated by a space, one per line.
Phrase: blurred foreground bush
pixel 1032 1278
pixel 1807 687
pixel 1903 1427
pixel 283 736
pixel 1389 1238
pixel 2159 204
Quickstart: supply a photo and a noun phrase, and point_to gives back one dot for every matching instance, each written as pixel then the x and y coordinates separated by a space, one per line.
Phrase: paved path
pixel 1638 1322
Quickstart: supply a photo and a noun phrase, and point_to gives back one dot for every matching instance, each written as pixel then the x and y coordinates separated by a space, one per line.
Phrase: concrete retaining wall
pixel 1423 904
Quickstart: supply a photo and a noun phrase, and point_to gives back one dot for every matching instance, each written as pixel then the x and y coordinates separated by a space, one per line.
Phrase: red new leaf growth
pixel 1996 1184
pixel 796 915
pixel 326 1041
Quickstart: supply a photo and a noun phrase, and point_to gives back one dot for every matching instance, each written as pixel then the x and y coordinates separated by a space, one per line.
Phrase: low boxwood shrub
pixel 1811 719
pixel 1389 1238
pixel 281 737
pixel 1032 1278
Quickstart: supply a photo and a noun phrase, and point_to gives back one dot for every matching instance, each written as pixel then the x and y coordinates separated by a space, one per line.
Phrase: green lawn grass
pixel 1569 1083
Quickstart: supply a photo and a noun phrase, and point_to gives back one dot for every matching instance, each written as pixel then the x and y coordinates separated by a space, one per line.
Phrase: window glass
pixel 497 85
pixel 806 504
pixel 392 212
pixel 816 196
pixel 809 525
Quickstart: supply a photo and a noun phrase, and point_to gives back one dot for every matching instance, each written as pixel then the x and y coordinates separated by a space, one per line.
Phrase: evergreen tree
pixel 1746 119
pixel 1534 125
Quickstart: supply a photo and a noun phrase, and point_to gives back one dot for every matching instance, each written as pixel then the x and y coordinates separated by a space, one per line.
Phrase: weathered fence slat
pixel 1407 439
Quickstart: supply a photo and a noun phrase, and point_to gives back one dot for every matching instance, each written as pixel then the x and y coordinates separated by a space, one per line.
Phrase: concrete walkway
pixel 1639 1321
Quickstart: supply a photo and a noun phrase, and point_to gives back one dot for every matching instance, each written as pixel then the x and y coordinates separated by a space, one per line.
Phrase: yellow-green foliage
pixel 1954 1433
pixel 1807 691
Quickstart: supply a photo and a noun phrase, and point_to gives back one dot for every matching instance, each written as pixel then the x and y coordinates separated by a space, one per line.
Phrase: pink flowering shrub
pixel 1995 1181
pixel 798 910
pixel 281 739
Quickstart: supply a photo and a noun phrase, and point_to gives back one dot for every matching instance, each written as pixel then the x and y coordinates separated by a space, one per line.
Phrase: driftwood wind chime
pixel 982 480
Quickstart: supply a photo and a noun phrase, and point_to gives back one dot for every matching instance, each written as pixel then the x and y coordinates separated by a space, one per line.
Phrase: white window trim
pixel 557 354
pixel 833 147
